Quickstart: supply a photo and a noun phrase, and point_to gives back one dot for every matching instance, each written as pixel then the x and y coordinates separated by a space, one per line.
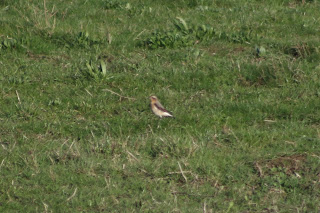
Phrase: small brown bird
pixel 158 109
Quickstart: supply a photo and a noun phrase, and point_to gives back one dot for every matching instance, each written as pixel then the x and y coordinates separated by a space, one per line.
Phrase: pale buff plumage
pixel 158 109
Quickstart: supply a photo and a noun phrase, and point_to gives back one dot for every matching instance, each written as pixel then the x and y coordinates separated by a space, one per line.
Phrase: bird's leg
pixel 159 123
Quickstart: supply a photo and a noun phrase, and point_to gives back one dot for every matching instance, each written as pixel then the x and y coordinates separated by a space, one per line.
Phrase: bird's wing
pixel 160 107
pixel 159 104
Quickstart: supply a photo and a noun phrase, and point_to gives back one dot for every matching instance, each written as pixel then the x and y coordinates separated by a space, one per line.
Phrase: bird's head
pixel 153 98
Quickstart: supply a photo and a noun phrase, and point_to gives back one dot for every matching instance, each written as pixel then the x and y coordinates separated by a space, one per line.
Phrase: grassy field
pixel 242 78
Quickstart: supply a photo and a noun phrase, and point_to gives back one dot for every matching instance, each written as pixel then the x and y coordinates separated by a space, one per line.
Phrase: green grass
pixel 241 77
